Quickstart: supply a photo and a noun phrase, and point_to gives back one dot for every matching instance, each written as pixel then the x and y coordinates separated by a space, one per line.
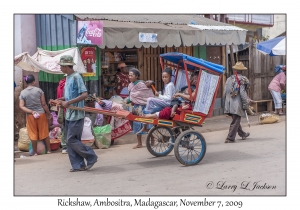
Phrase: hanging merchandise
pixel 47 61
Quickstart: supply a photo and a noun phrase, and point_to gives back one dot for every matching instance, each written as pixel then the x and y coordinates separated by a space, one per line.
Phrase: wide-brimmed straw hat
pixel 239 66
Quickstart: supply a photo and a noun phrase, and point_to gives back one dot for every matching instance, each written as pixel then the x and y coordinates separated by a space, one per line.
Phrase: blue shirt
pixel 73 88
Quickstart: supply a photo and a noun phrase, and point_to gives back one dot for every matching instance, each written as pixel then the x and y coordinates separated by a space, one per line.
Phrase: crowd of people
pixel 146 102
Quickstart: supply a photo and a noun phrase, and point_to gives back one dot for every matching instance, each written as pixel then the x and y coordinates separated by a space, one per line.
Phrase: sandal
pixel 244 137
pixel 90 166
pixel 228 141
pixel 76 170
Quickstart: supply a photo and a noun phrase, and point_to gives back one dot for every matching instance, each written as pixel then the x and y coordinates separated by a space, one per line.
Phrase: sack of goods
pixel 103 136
pixel 267 118
pixel 24 141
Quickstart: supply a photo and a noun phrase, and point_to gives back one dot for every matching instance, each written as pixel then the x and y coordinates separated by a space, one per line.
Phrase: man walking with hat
pixel 74 94
pixel 235 97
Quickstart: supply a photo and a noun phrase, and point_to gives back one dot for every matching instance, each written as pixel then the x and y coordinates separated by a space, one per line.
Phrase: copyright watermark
pixel 245 185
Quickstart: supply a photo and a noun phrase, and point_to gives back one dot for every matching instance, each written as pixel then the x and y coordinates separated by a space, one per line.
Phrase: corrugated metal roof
pixel 164 19
pixel 226 28
pixel 172 30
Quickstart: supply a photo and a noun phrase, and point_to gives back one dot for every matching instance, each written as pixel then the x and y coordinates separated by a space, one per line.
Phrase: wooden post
pixel 231 57
pixel 231 50
pixel 224 64
pixel 140 60
pixel 251 70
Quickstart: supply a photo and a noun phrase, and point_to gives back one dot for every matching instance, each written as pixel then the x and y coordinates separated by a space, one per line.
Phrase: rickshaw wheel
pixel 162 143
pixel 190 147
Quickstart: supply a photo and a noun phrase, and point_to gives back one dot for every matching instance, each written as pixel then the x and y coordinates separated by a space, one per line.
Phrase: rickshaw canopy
pixel 176 57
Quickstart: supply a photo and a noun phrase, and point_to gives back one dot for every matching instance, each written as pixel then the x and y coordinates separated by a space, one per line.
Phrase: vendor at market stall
pixel 122 80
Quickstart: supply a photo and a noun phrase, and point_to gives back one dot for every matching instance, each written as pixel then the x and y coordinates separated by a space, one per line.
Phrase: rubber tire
pixel 177 144
pixel 148 142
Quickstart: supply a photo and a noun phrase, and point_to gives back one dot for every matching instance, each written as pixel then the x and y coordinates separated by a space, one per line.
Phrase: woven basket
pixel 268 118
pixel 24 141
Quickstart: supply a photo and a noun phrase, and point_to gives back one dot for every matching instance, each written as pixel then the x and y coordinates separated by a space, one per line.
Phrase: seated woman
pixel 138 95
pixel 163 100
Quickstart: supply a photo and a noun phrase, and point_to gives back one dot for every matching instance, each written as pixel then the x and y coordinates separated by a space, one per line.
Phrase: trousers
pixel 77 151
pixel 277 99
pixel 235 127
pixel 155 105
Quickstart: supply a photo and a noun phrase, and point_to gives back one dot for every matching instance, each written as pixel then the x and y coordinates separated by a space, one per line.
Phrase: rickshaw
pixel 178 133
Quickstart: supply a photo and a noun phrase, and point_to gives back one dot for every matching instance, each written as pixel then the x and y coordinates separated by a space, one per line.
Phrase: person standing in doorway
pixel 236 101
pixel 122 80
pixel 74 94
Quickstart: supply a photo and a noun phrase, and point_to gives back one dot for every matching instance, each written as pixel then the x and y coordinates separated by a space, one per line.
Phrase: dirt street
pixel 255 166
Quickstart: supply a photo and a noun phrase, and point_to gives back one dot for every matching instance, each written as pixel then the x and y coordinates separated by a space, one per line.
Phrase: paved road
pixel 258 164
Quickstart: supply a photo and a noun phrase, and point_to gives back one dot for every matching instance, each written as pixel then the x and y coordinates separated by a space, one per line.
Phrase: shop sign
pixel 147 37
pixel 90 32
pixel 88 57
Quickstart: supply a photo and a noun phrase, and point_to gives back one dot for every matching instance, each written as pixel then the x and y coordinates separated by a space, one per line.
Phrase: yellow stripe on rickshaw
pixel 144 120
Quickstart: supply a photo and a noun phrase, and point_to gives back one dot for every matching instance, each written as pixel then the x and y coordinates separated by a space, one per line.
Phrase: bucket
pixel 54 144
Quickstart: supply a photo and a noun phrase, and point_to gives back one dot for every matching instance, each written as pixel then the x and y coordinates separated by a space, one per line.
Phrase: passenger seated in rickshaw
pixel 180 100
pixel 156 104
pixel 170 111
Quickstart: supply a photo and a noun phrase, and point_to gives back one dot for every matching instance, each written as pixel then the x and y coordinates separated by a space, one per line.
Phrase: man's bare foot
pixel 137 146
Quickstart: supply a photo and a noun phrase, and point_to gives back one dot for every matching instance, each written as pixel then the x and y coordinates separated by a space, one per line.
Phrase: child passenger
pixel 170 111
pixel 163 100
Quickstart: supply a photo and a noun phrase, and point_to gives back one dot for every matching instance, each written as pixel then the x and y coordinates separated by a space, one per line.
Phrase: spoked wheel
pixel 190 148
pixel 160 141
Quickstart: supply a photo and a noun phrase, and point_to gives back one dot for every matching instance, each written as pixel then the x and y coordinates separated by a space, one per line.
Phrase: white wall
pixel 18 48
pixel 278 28
pixel 24 41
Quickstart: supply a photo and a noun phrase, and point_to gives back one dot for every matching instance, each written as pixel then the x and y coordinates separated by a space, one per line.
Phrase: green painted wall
pixel 200 52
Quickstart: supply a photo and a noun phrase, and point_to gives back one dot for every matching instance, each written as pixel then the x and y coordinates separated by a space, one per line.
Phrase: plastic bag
pixel 87 136
pixel 41 148
pixel 103 136
pixel 60 116
pixel 54 133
